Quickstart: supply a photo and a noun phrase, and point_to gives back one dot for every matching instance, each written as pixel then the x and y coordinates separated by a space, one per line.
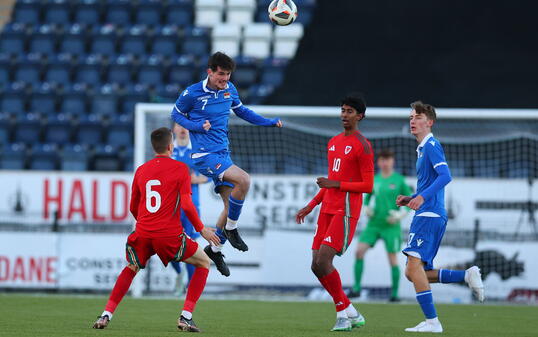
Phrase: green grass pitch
pixel 70 316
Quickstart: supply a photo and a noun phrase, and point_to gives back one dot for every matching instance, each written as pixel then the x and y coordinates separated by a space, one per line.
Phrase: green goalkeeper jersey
pixel 385 192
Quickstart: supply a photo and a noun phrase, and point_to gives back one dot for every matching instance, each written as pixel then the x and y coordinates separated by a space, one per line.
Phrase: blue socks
pixel 425 299
pixel 451 276
pixel 176 266
pixel 221 236
pixel 234 209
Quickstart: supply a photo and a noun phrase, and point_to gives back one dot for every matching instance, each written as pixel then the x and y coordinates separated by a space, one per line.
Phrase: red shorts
pixel 334 230
pixel 139 249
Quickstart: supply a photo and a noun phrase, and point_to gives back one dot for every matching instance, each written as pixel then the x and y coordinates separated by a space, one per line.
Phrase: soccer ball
pixel 282 12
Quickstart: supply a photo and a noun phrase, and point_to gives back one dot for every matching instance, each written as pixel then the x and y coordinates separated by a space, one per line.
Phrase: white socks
pixel 107 313
pixel 216 249
pixel 341 314
pixel 186 314
pixel 433 321
pixel 231 224
pixel 351 311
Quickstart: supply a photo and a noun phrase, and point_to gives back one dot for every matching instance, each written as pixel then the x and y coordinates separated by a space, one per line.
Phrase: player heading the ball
pixel 204 109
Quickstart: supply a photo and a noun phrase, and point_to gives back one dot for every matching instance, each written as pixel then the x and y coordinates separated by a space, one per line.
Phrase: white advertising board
pixel 102 198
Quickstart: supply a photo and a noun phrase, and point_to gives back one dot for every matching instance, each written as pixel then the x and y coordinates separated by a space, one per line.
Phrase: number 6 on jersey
pixel 150 194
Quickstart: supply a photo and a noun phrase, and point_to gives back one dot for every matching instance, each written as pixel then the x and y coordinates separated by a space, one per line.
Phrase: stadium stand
pixel 84 63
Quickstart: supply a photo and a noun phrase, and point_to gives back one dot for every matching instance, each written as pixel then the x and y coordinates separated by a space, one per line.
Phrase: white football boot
pixel 426 326
pixel 474 281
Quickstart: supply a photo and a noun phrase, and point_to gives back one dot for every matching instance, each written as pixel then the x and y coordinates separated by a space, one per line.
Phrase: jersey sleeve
pixel 436 157
pixel 366 166
pixel 184 180
pixel 236 101
pixel 135 196
pixel 180 114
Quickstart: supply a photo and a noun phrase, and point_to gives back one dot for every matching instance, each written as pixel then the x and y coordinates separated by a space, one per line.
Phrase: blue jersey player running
pixel 182 152
pixel 204 108
pixel 429 222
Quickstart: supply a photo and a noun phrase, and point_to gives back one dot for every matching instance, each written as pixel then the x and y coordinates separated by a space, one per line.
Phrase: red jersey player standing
pixel 351 173
pixel 160 187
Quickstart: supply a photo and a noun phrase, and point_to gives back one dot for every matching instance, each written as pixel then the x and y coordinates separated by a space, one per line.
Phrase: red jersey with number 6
pixel 155 197
pixel 350 159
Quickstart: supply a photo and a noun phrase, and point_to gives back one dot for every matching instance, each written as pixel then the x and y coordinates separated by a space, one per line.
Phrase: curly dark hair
pixel 355 101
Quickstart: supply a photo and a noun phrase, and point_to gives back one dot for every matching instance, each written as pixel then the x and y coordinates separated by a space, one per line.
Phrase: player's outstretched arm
pixel 253 118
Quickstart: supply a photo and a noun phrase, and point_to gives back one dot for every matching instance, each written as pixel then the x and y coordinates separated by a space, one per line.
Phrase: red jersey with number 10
pixel 350 159
pixel 155 197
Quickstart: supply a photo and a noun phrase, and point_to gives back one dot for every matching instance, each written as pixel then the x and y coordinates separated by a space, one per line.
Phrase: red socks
pixel 120 288
pixel 332 283
pixel 196 287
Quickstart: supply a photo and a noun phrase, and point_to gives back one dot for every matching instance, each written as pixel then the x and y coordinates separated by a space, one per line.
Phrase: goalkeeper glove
pixel 395 216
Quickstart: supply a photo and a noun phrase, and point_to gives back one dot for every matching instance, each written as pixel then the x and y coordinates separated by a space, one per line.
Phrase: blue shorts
pixel 425 237
pixel 213 166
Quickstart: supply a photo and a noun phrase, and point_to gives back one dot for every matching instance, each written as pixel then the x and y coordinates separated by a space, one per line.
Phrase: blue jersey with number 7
pixel 199 103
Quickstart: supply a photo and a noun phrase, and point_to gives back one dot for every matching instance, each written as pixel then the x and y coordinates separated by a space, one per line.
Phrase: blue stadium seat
pixel 13 39
pixel 196 42
pixel 148 12
pixel 73 41
pixel 13 157
pixel 151 72
pixel 74 158
pixel 44 157
pixel 120 70
pixel 106 158
pixel 319 166
pixel 127 159
pixel 165 43
pixel 59 70
pixel 57 12
pixel 43 41
pixel 27 12
pixel 13 99
pixel 118 12
pixel 28 70
pixel 58 130
pixel 181 72
pixel 73 100
pixel 134 94
pixel 120 133
pixel 169 93
pixel 5 128
pixel 88 12
pixel 5 73
pixel 104 102
pixel 246 73
pixel 27 129
pixel 89 131
pixel 258 93
pixel 89 72
pixel 273 71
pixel 43 100
pixel 103 41
pixel 134 42
pixel 179 12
